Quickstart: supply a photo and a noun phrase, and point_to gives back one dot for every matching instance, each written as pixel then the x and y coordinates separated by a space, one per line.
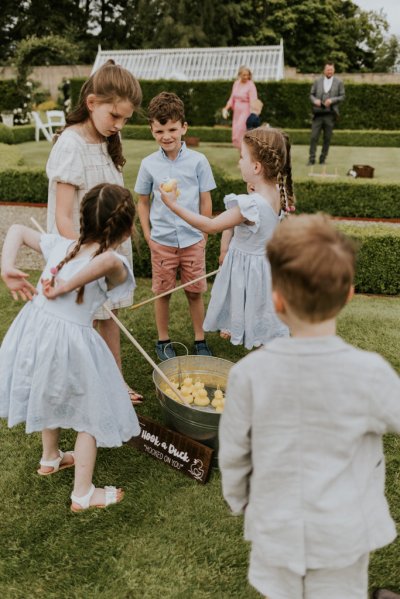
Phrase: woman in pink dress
pixel 243 93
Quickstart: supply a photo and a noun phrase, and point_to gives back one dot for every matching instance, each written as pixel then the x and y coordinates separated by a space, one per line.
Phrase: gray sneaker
pixel 165 350
pixel 202 349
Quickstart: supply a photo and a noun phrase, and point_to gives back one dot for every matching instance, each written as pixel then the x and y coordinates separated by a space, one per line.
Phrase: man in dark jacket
pixel 326 93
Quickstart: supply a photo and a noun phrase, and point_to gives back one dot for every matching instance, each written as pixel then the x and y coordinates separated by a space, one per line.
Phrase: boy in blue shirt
pixel 173 243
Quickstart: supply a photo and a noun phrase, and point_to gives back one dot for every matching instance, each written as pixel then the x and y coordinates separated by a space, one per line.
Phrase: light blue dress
pixel 56 370
pixel 241 297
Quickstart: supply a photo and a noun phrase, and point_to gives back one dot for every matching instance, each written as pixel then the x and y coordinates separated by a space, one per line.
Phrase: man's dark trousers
pixel 326 122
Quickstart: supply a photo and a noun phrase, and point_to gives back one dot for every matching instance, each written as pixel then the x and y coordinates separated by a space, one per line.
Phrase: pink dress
pixel 241 96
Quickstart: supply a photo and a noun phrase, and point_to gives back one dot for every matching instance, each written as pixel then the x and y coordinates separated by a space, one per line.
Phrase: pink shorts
pixel 165 261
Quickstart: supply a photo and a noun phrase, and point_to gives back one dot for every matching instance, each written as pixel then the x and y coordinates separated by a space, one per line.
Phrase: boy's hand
pixel 16 282
pixel 51 291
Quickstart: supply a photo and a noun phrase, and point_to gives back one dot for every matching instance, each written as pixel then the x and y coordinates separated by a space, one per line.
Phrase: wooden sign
pixel 177 451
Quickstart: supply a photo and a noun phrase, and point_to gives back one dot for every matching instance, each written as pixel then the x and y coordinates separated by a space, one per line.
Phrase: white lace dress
pixel 241 297
pixel 56 370
pixel 75 161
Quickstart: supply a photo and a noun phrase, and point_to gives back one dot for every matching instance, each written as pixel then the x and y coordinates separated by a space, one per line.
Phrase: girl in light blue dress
pixel 56 371
pixel 241 305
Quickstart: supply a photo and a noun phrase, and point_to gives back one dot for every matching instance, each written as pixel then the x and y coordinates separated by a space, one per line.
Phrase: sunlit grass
pixel 171 537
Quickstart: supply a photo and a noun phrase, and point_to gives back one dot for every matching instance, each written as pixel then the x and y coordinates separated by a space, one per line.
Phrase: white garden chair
pixel 40 126
pixel 55 118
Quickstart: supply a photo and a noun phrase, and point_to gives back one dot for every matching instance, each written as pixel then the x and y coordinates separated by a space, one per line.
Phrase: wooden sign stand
pixel 173 449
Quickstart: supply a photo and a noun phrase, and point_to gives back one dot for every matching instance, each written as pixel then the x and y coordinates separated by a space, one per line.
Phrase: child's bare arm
pixel 106 265
pixel 65 198
pixel 225 220
pixel 225 241
pixel 143 209
pixel 205 206
pixel 14 278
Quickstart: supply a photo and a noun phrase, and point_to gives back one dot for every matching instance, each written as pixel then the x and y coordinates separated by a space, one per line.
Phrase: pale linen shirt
pixel 301 447
pixel 74 161
pixel 193 173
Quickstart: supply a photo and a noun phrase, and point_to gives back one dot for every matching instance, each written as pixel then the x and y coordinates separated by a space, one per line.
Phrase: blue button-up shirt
pixel 193 173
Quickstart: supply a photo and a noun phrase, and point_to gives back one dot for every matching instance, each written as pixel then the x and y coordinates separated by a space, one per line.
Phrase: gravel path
pixel 28 259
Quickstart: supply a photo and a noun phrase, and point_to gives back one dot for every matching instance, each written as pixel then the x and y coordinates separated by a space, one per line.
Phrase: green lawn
pixel 171 537
pixel 386 161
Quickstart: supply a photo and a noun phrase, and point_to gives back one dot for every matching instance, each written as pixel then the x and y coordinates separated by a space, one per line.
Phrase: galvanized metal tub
pixel 199 423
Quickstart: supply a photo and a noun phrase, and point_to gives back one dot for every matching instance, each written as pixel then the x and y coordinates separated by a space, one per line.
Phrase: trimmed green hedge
pixel 6 134
pixel 23 133
pixel 378 257
pixel 354 198
pixel 23 185
pixel 355 138
pixel 286 103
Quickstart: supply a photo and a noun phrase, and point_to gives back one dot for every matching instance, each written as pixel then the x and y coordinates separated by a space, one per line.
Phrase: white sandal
pixel 83 503
pixel 56 464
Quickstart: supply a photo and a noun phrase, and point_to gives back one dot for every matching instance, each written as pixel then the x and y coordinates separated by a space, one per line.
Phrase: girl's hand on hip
pixel 51 290
pixel 16 282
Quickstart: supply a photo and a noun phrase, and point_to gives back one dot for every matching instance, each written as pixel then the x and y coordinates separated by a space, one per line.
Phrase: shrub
pixel 23 185
pixel 353 198
pixel 286 103
pixel 6 134
pixel 378 258
pixel 23 133
pixel 367 138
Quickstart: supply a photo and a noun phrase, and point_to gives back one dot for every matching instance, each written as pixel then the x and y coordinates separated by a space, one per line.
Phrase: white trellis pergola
pixel 198 64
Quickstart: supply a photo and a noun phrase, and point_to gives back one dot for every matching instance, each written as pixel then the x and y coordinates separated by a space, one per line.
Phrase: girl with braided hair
pixel 56 371
pixel 86 152
pixel 241 304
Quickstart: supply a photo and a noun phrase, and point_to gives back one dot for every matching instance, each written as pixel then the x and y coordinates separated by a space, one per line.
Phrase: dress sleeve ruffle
pixel 65 164
pixel 117 293
pixel 247 206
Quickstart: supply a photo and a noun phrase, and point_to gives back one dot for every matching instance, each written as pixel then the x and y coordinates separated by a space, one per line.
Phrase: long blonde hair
pixel 244 68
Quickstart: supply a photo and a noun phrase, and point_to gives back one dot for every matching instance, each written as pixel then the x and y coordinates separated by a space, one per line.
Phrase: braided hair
pixel 110 83
pixel 271 147
pixel 106 217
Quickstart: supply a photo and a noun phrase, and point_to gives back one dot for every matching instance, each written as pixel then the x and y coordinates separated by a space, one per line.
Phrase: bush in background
pixel 286 103
pixel 378 257
pixel 23 185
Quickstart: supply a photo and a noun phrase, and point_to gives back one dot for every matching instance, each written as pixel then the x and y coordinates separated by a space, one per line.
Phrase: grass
pixel 386 161
pixel 171 537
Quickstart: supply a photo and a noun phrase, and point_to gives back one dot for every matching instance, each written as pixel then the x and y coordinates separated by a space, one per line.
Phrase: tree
pixel 312 30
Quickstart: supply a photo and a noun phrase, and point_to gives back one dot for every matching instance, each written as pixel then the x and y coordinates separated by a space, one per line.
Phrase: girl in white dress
pixel 241 304
pixel 56 371
pixel 87 152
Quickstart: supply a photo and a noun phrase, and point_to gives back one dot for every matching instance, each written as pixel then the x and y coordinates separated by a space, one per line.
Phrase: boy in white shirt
pixel 301 435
